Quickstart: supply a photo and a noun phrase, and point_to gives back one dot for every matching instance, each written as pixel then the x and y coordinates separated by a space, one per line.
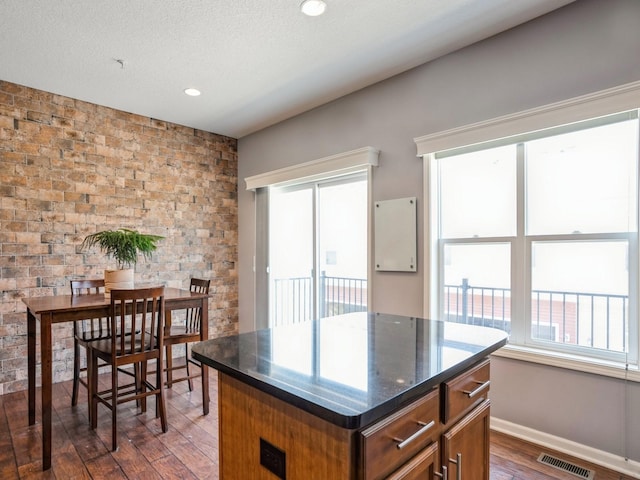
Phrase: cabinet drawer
pixel 465 391
pixel 421 466
pixel 394 440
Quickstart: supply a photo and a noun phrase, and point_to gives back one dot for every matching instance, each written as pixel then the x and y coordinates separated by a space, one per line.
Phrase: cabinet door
pixel 465 447
pixel 421 466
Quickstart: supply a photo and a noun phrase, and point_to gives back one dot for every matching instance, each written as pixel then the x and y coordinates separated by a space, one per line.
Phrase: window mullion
pixel 633 345
pixel 315 308
pixel 520 265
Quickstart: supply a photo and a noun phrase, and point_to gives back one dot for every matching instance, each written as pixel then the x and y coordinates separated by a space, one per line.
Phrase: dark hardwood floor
pixel 187 451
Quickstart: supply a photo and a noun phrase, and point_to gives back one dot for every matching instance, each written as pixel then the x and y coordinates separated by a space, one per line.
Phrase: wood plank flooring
pixel 514 459
pixel 187 451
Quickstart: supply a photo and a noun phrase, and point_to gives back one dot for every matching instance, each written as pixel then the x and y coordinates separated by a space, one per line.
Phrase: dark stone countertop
pixel 352 369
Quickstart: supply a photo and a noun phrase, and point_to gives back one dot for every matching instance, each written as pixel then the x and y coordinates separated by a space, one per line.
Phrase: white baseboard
pixel 562 445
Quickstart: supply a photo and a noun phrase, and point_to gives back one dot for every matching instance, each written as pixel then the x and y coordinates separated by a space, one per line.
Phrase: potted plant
pixel 124 245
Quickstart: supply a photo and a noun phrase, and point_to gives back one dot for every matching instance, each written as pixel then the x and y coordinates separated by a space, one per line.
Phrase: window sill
pixel 570 362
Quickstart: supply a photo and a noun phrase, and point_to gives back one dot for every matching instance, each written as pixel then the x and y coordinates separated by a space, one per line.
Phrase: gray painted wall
pixel 584 47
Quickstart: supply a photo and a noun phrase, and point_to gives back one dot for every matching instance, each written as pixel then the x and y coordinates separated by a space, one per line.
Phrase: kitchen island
pixel 355 396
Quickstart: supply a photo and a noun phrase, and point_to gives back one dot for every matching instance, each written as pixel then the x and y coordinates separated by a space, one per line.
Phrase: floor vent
pixel 568 467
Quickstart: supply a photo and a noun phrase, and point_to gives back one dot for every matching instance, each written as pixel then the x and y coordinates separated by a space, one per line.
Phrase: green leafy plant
pixel 123 245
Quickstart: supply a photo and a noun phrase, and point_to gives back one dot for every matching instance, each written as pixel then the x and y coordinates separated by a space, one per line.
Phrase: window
pixel 311 256
pixel 537 234
pixel 318 249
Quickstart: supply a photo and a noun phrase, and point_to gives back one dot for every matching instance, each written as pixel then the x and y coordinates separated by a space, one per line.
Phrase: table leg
pixel 169 362
pixel 47 380
pixel 204 329
pixel 168 357
pixel 31 365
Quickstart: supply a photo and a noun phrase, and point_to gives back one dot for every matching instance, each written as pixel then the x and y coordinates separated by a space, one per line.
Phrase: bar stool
pixel 138 317
pixel 192 331
pixel 85 332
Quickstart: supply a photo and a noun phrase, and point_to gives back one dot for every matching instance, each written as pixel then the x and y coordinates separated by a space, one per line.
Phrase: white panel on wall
pixel 395 235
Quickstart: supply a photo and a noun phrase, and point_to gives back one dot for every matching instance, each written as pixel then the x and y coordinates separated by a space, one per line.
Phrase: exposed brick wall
pixel 69 168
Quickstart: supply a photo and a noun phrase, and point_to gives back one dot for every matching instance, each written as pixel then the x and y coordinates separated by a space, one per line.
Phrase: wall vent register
pixel 565 466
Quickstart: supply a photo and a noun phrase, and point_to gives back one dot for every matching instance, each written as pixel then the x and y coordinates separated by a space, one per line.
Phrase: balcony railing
pixel 292 298
pixel 579 318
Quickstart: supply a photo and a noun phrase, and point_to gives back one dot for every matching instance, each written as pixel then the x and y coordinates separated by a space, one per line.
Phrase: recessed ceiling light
pixel 313 8
pixel 192 92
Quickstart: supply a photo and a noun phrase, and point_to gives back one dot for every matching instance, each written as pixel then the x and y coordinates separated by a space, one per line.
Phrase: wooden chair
pixel 138 316
pixel 85 332
pixel 192 331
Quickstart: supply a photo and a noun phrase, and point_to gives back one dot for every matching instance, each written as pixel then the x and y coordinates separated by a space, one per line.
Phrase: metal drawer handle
pixel 442 475
pixel 425 427
pixel 458 463
pixel 482 386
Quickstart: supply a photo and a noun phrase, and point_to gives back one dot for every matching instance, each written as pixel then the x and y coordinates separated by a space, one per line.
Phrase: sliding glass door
pixel 291 254
pixel 317 249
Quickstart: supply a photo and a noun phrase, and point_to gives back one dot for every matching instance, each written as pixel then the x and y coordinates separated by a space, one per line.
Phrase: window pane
pixel 290 256
pixel 477 279
pixel 342 241
pixel 580 293
pixel 478 194
pixel 583 182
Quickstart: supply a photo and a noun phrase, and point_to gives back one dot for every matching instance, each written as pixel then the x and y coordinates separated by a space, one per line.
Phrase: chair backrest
pixel 91 328
pixel 194 315
pixel 199 285
pixel 138 316
pixel 82 287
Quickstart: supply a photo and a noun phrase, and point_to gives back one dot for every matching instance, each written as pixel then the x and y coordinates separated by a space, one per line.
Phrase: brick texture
pixel 69 168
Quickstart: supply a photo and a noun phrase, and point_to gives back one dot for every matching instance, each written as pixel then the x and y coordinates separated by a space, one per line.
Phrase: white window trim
pixel 569 362
pixel 339 164
pixel 605 102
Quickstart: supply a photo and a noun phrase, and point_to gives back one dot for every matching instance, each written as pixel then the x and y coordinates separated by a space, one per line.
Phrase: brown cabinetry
pixel 465 447
pixel 396 439
pixel 444 434
pixel 420 467
pixel 465 416
pixel 462 393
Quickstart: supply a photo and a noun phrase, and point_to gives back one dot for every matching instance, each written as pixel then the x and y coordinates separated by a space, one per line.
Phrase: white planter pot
pixel 117 279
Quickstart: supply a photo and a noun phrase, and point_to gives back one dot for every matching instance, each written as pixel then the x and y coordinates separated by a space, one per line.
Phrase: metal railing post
pixel 465 300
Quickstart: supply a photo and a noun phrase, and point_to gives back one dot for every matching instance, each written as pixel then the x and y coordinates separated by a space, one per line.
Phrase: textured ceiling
pixel 256 62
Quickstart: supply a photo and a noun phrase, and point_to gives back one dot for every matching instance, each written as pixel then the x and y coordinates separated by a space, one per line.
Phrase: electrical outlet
pixel 273 459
